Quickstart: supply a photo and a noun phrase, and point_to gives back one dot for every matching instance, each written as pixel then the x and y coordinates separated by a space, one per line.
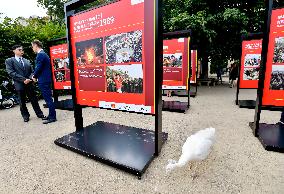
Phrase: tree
pixel 24 31
pixel 55 8
pixel 217 25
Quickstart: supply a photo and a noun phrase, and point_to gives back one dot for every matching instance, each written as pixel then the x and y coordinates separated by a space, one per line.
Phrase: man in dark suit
pixel 20 70
pixel 42 74
pixel 282 118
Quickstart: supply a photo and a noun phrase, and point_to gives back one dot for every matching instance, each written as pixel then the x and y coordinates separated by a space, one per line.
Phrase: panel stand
pixel 67 104
pixel 271 136
pixel 193 93
pixel 179 93
pixel 249 104
pixel 175 106
pixel 63 105
pixel 127 148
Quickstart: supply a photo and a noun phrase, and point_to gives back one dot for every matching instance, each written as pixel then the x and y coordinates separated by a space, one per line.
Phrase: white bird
pixel 196 148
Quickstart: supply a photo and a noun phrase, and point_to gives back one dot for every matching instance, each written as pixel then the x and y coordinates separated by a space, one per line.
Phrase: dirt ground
pixel 31 163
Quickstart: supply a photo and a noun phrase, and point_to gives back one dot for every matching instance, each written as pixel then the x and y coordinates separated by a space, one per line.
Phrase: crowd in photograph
pixel 251 73
pixel 121 82
pixel 172 61
pixel 61 63
pixel 253 61
pixel 60 76
pixel 124 47
pixel 279 50
pixel 277 80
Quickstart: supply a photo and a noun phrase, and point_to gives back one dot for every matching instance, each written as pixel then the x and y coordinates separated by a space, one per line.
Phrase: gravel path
pixel 31 163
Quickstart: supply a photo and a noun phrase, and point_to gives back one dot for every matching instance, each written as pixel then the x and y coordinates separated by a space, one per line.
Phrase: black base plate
pixel 179 93
pixel 271 136
pixel 126 148
pixel 193 94
pixel 251 125
pixel 63 105
pixel 250 104
pixel 182 93
pixel 175 106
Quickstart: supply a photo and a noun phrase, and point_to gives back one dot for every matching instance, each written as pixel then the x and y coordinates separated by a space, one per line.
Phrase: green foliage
pixel 55 8
pixel 217 25
pixel 24 31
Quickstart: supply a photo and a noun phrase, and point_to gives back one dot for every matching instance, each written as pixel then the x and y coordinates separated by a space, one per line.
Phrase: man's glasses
pixel 20 49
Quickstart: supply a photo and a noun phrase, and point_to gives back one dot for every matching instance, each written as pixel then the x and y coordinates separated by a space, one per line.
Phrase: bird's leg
pixel 195 174
pixel 189 166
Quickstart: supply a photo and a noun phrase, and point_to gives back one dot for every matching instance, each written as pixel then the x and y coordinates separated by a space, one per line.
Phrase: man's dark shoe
pixel 26 120
pixel 49 121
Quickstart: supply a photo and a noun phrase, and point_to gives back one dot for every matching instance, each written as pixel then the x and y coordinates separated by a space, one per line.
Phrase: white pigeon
pixel 196 148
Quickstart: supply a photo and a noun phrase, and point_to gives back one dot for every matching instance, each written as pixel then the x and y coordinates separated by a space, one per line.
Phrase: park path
pixel 31 163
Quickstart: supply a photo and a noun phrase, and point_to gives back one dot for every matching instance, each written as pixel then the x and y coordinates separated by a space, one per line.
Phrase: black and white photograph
pixel 252 60
pixel 124 47
pixel 90 52
pixel 278 57
pixel 277 77
pixel 251 73
pixel 60 76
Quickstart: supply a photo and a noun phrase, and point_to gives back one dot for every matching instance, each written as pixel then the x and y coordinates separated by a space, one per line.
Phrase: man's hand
pixel 27 81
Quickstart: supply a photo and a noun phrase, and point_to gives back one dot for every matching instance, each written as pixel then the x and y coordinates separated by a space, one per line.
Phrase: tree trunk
pixel 204 65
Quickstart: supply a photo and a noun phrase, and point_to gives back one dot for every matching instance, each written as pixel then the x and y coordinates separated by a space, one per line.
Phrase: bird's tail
pixel 172 165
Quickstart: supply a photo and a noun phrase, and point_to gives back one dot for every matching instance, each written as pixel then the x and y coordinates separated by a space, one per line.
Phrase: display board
pixel 112 68
pixel 60 67
pixel 270 94
pixel 194 69
pixel 273 91
pixel 115 60
pixel 250 64
pixel 176 63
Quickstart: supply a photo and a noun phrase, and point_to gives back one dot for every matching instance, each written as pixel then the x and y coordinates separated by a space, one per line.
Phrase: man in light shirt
pixel 20 70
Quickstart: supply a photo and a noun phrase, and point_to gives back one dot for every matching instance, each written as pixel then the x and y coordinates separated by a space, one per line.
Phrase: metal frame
pixel 51 43
pixel 195 47
pixel 271 136
pixel 63 104
pixel 265 43
pixel 70 10
pixel 181 34
pixel 250 36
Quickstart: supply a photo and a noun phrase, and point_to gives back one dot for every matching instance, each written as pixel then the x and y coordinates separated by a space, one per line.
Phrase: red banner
pixel 60 67
pixel 273 93
pixel 250 63
pixel 113 50
pixel 175 63
pixel 193 66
